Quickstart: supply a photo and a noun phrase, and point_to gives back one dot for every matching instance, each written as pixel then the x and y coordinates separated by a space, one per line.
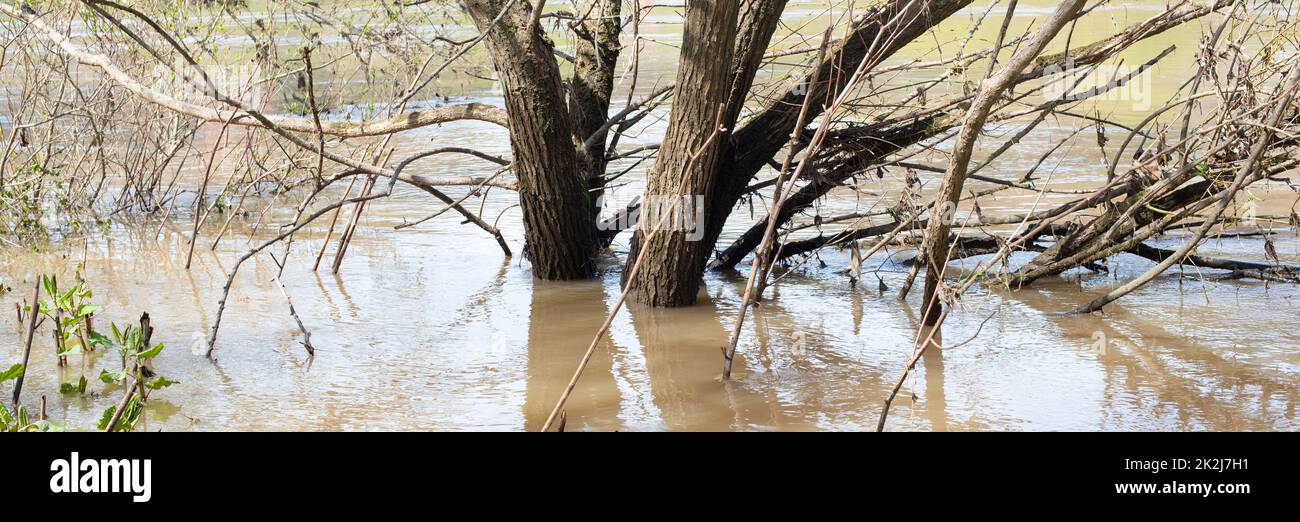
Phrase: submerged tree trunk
pixel 558 225
pixel 671 274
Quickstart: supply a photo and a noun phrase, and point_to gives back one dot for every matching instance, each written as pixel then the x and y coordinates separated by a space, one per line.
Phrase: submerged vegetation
pixel 19 420
pixel 68 313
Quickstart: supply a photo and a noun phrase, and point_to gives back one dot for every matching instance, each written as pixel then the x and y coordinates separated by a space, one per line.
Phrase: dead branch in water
pixel 935 247
pixel 1249 167
pixel 1246 269
pixel 1167 186
pixel 753 287
pixel 32 314
pixel 203 190
pixel 306 334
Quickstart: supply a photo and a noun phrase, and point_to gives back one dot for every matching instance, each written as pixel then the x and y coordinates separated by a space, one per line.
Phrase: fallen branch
pixel 1288 273
pixel 1252 163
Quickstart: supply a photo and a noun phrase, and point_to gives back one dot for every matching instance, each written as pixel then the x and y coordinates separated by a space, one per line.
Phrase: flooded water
pixel 431 328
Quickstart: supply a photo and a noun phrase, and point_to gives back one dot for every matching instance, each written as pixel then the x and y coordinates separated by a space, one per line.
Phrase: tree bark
pixel 558 225
pixel 594 73
pixel 758 20
pixel 671 276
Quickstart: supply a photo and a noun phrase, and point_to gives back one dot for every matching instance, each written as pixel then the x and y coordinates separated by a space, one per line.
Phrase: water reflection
pixel 683 356
pixel 934 402
pixel 564 317
pixel 410 340
pixel 1152 365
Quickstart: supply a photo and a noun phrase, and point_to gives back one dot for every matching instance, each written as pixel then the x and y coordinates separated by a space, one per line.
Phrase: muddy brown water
pixel 431 328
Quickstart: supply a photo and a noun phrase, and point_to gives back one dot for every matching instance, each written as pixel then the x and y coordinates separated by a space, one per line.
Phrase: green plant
pixel 69 311
pixel 12 373
pixel 131 344
pixel 79 388
pixel 14 421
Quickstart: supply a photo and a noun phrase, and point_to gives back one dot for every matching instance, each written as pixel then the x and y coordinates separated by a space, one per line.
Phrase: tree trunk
pixel 558 225
pixel 594 72
pixel 758 20
pixel 671 276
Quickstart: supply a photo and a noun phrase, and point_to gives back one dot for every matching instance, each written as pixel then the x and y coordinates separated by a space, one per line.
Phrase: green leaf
pixel 45 426
pixel 132 340
pixel 50 285
pixel 150 353
pixel 100 340
pixel 86 309
pixel 12 373
pixel 131 414
pixel 79 388
pixel 107 415
pixel 71 348
pixel 110 377
pixel 159 383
